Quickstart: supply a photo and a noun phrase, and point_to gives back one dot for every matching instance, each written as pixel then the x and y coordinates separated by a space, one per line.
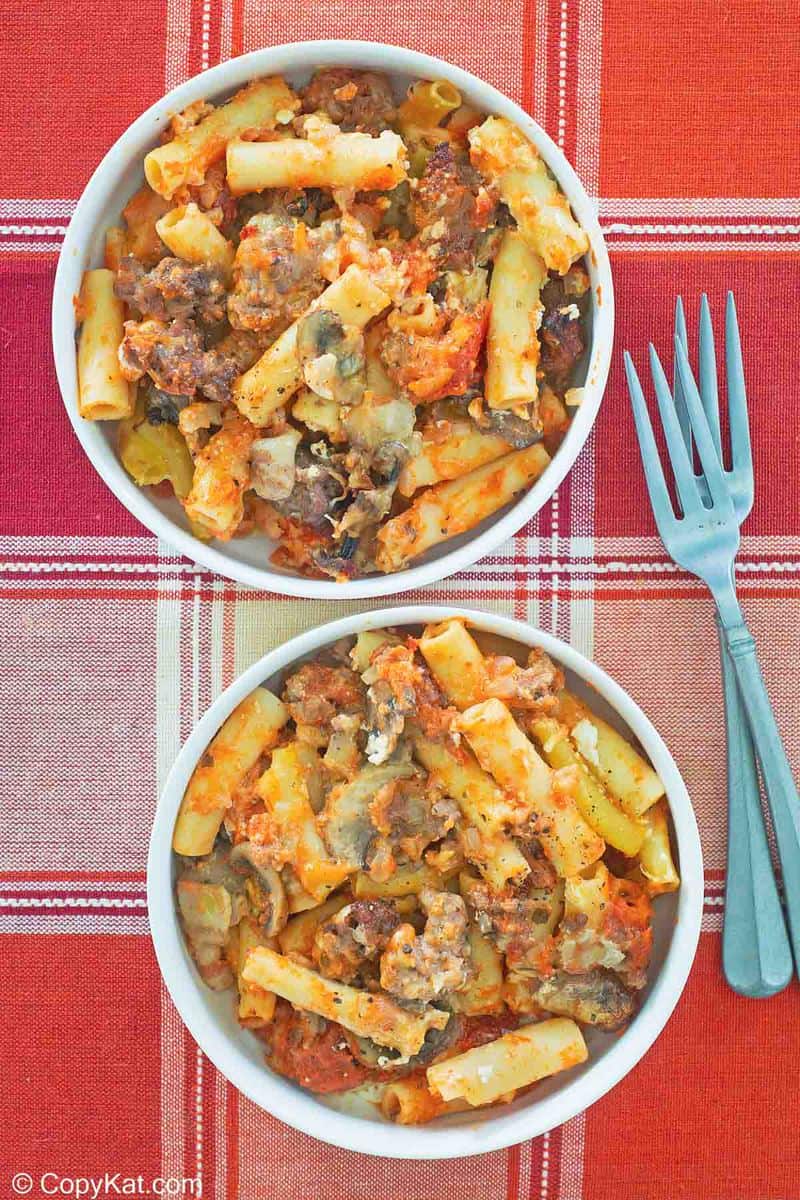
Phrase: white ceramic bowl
pixel 239 1055
pixel 120 174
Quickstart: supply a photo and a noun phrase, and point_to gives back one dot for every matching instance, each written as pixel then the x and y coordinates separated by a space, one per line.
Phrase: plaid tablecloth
pixel 682 118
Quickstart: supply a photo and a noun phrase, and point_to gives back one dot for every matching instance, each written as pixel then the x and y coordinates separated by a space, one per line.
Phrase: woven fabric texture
pixel 679 116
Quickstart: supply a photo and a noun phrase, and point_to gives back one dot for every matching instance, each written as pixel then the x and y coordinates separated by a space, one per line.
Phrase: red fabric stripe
pixel 232 1142
pixel 237 35
pixel 528 53
pixel 465 595
pixel 57 876
pixel 190 1156
pixel 512 1187
pixel 535 1188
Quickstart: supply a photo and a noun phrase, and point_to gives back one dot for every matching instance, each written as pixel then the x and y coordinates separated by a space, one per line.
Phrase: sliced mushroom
pixel 347 828
pixel 597 998
pixel 366 510
pixel 382 1058
pixel 332 356
pixel 264 888
pixel 207 913
pixel 272 465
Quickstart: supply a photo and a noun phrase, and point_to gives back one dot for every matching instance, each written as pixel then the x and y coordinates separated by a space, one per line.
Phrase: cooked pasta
pixel 397 917
pixel 103 392
pixel 393 284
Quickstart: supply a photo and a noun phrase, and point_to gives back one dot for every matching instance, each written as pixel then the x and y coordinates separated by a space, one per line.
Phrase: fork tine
pixel 680 402
pixel 709 459
pixel 741 453
pixel 708 374
pixel 654 475
pixel 678 455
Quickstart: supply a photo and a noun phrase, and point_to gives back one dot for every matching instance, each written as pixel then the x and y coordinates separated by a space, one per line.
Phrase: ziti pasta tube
pixel 655 855
pixel 456 661
pixel 427 102
pixel 515 314
pixel 483 803
pixel 502 153
pixel 484 807
pixel 341 160
pixel 276 376
pixel 484 992
pixel 104 394
pixel 461 451
pixel 627 775
pixel 284 791
pixel 505 752
pixel 368 1014
pixel 184 160
pixel 447 509
pixel 513 1061
pixel 221 477
pixel 250 730
pixel 604 815
pixel 411 1102
pixel 141 215
pixel 193 236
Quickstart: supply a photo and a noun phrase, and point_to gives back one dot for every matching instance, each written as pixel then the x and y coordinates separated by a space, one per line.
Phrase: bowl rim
pixel 300 1109
pixel 87 219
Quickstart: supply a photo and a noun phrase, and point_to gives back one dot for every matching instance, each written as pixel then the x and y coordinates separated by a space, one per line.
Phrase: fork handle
pixel 756 956
pixel 779 785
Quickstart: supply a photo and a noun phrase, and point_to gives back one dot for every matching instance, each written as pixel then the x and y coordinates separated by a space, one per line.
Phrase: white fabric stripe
pixel 26 923
pixel 220 1140
pixel 582 567
pixel 617 247
pixel 46 583
pixel 36 230
pixel 79 902
pixel 545 1177
pixel 90 568
pixel 172 1068
pixel 626 227
pixel 590 50
pixel 43 209
pixel 33 247
pixel 9 890
pixel 176 55
pixel 540 64
pixel 609 206
pixel 577 550
pixel 27 544
pixel 562 75
pixel 711 923
pixel 8 886
pixel 570 1183
pixel 198 1117
pixel 168 685
pixel 751 544
pixel 701 206
pixel 195 657
pixel 555 565
pixel 572 577
pixel 50 247
pixel 215 655
pixel 205 29
pixel 226 31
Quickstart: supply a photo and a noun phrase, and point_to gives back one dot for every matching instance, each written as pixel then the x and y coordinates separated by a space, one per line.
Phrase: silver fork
pixel 756 956
pixel 704 539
